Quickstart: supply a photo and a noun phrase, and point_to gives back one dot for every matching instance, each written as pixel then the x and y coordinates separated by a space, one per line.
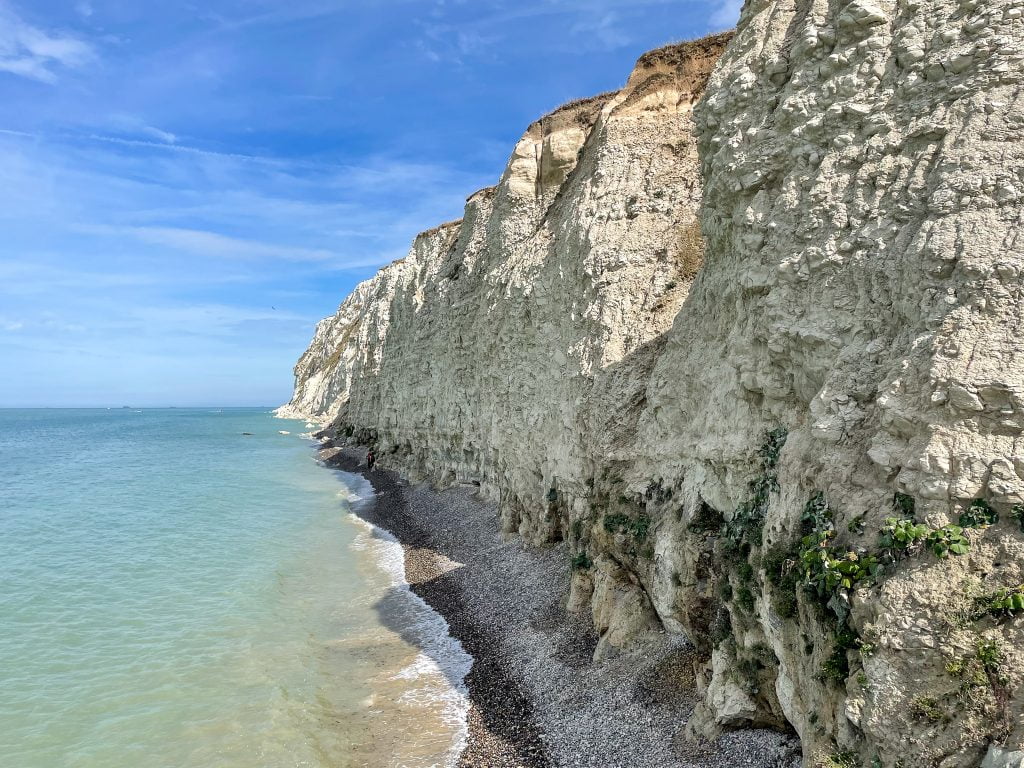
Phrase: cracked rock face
pixel 707 436
pixel 513 348
pixel 863 178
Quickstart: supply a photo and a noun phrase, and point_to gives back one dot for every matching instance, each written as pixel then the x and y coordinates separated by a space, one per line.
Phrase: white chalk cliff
pixel 747 335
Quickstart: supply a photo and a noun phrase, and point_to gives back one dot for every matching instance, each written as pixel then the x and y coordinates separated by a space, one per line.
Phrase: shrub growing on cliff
pixel 745 528
pixel 926 708
pixel 1017 513
pixel 1003 603
pixel 835 669
pixel 840 759
pixel 830 571
pixel 973 680
pixel 857 524
pixel 979 514
pixel 989 654
pixel 782 572
pixel 742 531
pixel 745 599
pixel 829 568
pixel 725 591
pixel 616 522
pixel 721 627
pixel 581 562
pixel 902 537
pixel 903 503
pixel 770 451
pixel 1006 602
pixel 948 539
pixel 750 663
pixel 817 516
pixel 898 537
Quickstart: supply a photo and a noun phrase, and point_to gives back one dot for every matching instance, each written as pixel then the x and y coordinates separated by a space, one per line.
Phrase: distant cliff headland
pixel 746 338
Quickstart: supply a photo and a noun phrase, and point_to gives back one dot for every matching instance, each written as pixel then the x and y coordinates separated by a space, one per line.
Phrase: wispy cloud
pixel 274 13
pixel 588 24
pixel 35 53
pixel 726 14
pixel 243 208
pixel 134 125
pixel 217 245
pixel 200 183
pixel 603 31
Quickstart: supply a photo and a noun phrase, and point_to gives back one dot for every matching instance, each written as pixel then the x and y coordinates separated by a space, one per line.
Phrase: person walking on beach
pixel 371 459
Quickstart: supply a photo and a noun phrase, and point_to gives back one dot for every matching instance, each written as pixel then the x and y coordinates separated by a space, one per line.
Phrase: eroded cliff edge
pixel 806 453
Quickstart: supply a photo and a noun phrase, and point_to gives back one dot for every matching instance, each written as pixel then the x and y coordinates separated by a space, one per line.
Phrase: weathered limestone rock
pixel 861 290
pixel 512 349
pixel 1000 758
pixel 721 445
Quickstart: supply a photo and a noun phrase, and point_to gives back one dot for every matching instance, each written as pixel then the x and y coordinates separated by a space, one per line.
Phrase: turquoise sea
pixel 174 592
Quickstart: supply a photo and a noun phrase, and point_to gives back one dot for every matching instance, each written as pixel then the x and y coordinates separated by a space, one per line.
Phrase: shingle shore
pixel 536 698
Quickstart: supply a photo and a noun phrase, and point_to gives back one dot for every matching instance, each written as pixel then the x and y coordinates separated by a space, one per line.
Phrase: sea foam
pixel 441 666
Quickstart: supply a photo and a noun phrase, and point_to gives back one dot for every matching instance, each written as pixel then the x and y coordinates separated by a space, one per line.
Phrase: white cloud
pixel 31 52
pixel 591 24
pixel 214 244
pixel 132 124
pixel 158 133
pixel 602 31
pixel 230 217
pixel 169 141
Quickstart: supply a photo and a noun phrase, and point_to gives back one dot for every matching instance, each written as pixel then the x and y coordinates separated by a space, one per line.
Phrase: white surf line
pixel 442 657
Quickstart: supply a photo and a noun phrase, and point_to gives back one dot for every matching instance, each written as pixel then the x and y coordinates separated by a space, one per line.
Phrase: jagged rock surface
pixel 513 348
pixel 857 321
pixel 862 290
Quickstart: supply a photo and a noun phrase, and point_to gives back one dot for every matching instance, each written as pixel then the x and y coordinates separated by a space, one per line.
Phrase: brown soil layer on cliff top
pixel 675 55
pixel 537 699
pixel 691 60
pixel 582 112
pixel 439 227
pixel 685 67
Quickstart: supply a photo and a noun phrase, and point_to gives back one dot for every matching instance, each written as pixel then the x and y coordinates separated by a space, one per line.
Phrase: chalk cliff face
pixel 862 169
pixel 513 348
pixel 767 452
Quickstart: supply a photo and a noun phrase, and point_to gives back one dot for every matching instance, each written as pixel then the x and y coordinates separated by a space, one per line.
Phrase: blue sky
pixel 186 188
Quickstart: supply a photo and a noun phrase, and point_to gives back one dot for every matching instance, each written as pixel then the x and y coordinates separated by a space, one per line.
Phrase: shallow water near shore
pixel 177 593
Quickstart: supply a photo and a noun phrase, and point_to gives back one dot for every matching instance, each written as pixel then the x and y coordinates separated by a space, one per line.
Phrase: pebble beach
pixel 537 698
